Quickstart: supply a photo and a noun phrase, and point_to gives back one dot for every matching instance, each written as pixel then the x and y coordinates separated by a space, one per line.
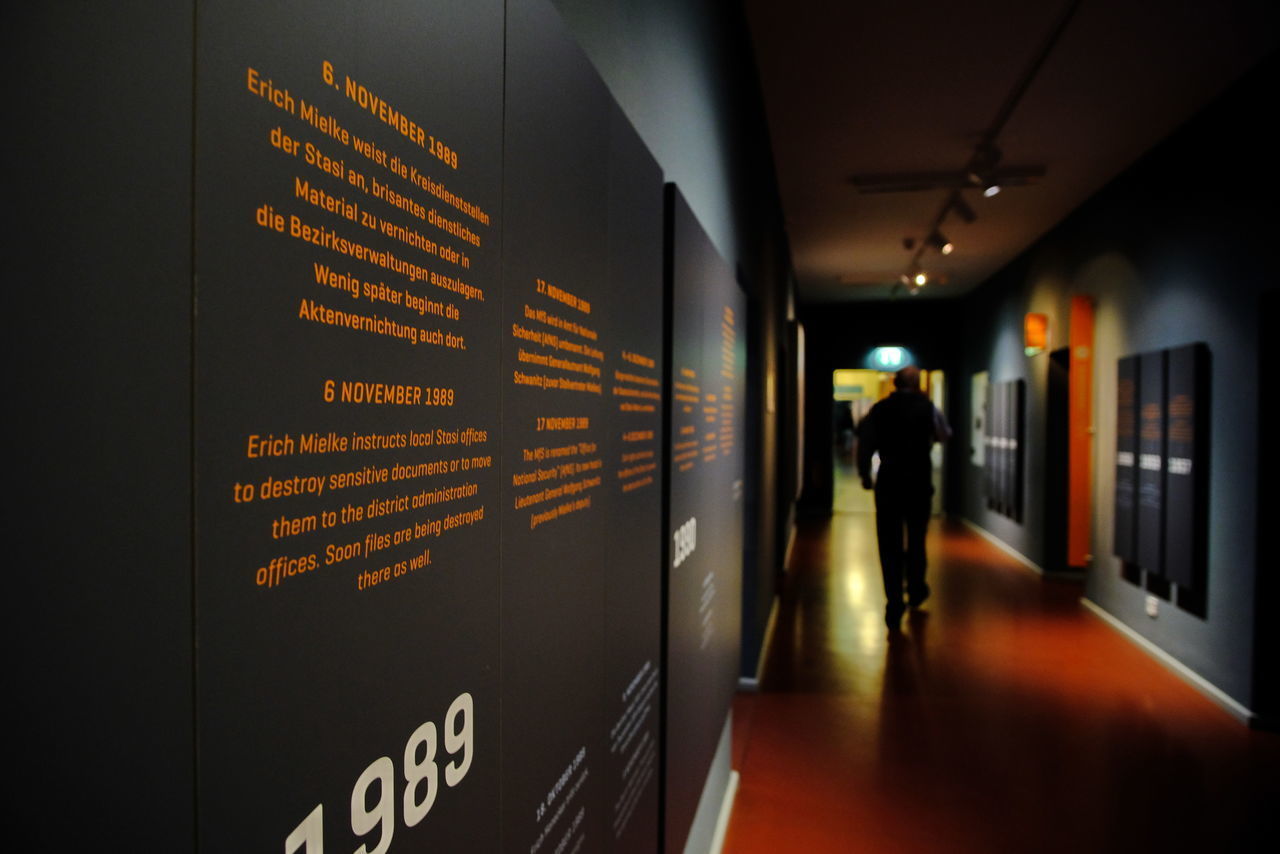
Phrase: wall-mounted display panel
pixel 978 439
pixel 348 212
pixel 992 460
pixel 97 248
pixel 704 568
pixel 1018 431
pixel 1003 456
pixel 415 521
pixel 1162 467
pixel 582 419
pixel 554 491
pixel 1151 465
pixel 1186 469
pixel 636 481
pixel 1126 499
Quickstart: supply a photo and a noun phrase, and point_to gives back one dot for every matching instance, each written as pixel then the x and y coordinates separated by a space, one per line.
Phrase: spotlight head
pixel 939 242
pixel 921 278
pixel 991 189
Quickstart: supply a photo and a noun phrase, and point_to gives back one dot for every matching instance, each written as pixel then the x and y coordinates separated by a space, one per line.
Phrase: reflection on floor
pixel 1003 718
pixel 848 495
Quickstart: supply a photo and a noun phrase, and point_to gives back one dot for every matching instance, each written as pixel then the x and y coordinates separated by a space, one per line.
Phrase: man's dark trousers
pixel 902 503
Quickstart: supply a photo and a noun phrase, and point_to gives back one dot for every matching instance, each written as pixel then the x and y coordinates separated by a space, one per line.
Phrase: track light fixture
pixel 980 172
pixel 915 277
pixel 962 209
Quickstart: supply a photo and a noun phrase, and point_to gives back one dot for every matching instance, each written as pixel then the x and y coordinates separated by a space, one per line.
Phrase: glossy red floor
pixel 1005 717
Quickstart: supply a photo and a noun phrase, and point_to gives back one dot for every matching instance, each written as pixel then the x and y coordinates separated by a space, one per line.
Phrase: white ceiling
pixel 873 86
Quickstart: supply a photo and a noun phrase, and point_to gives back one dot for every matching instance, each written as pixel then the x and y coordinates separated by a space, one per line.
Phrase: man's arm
pixel 941 429
pixel 866 447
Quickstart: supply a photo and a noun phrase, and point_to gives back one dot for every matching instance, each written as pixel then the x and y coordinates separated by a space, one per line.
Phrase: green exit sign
pixel 889 357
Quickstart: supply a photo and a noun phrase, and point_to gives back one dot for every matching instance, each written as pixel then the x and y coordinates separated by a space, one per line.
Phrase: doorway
pixel 854 392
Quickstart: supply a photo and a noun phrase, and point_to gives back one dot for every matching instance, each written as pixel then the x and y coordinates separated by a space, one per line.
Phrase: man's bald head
pixel 908 378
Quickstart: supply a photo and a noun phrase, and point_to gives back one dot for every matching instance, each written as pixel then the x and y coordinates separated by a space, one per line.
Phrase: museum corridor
pixel 1005 717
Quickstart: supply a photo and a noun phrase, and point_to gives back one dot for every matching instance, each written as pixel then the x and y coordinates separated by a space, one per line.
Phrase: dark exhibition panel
pixel 704 571
pixel 1162 465
pixel 1124 540
pixel 1187 408
pixel 347 416
pixel 686 75
pixel 1150 479
pixel 422 411
pixel 555 293
pixel 582 530
pixel 636 482
pixel 1004 440
pixel 401 473
pixel 101 261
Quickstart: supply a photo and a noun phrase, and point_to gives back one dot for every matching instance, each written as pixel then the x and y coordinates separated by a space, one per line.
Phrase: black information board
pixel 1186 467
pixel 98 252
pixel 1125 541
pixel 1004 460
pixel 1004 499
pixel 1017 449
pixel 1151 456
pixel 347 258
pixel 996 424
pixel 704 565
pixel 581 438
pixel 1162 467
pixel 989 446
pixel 554 467
pixel 636 479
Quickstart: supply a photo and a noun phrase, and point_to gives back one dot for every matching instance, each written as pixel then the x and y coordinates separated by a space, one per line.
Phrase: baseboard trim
pixel 1005 547
pixel 1232 706
pixel 726 812
pixel 752 683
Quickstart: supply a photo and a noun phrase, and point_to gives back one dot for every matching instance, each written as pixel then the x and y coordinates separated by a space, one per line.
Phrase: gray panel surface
pixel 555 496
pixel 100 261
pixel 704 588
pixel 348 658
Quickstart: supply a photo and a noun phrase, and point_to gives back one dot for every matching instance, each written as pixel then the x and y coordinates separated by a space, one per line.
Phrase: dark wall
pixel 1168 259
pixel 685 75
pixel 1266 687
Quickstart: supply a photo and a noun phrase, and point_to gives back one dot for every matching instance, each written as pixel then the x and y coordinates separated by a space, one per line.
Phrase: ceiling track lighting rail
pixel 981 172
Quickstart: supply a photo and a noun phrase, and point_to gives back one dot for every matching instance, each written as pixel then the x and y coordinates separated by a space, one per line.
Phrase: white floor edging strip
pixel 726 811
pixel 1204 686
pixel 1002 545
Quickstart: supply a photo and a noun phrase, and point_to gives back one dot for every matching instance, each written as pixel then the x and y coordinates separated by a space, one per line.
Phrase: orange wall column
pixel 1080 431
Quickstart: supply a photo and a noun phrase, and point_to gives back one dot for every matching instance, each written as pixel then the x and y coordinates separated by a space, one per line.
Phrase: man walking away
pixel 903 428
